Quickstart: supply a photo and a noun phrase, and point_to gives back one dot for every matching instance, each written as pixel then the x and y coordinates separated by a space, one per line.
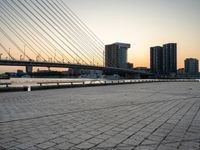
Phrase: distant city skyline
pixel 143 24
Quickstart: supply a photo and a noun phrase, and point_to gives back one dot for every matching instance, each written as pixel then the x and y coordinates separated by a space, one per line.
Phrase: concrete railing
pixel 87 83
pixel 5 84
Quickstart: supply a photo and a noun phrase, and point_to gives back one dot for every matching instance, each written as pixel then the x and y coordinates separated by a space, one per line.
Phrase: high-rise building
pixel 116 55
pixel 156 59
pixel 191 66
pixel 169 58
pixel 163 60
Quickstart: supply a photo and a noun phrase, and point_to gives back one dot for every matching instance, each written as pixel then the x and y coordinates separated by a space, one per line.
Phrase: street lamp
pixel 55 56
pixel 24 51
pixel 20 57
pixel 9 53
pixel 37 57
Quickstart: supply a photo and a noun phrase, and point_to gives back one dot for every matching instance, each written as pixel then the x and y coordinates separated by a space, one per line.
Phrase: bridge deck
pixel 64 65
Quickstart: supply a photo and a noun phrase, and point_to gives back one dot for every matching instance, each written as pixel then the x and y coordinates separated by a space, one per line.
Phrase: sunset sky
pixel 143 23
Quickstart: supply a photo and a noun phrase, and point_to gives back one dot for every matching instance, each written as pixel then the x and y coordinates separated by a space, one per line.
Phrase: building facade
pixel 163 60
pixel 116 55
pixel 156 59
pixel 191 66
pixel 170 58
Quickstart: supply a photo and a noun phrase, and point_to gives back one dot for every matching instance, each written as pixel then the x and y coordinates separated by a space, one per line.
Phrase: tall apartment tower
pixel 191 66
pixel 163 60
pixel 116 55
pixel 156 59
pixel 169 58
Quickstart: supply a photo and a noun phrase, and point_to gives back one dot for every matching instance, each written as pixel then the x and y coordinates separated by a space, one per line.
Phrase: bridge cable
pixel 12 41
pixel 42 28
pixel 18 36
pixel 75 35
pixel 36 30
pixel 52 27
pixel 28 31
pixel 63 31
pixel 81 24
pixel 39 8
pixel 75 23
pixel 7 51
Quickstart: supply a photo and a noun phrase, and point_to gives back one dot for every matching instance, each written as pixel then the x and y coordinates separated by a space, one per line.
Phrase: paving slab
pixel 122 117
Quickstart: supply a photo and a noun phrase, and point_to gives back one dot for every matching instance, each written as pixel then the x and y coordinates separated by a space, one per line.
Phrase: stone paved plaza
pixel 163 116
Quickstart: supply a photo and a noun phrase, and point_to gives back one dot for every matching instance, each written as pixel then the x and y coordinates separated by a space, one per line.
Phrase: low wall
pixel 97 83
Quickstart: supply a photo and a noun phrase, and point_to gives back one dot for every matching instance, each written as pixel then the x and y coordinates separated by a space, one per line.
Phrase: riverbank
pixel 44 84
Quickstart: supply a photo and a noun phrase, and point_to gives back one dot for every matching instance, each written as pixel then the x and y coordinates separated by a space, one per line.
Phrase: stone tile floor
pixel 152 116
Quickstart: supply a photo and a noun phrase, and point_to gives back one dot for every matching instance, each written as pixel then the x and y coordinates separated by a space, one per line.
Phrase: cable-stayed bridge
pixel 47 33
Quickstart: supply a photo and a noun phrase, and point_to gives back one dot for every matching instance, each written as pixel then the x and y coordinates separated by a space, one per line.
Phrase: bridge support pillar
pixel 29 69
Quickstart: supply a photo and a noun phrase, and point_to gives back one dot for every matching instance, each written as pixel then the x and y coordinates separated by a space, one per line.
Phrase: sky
pixel 143 24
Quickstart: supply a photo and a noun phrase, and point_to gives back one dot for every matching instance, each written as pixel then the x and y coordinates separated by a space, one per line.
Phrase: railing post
pixel 29 89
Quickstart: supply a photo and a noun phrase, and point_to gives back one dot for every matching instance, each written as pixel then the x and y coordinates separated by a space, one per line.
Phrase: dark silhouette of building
pixel 130 65
pixel 163 60
pixel 169 59
pixel 191 66
pixel 29 69
pixel 116 55
pixel 156 60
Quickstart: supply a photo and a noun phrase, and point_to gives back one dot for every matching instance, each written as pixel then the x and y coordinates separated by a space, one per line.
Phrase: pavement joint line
pixel 138 122
pixel 129 145
pixel 191 122
pixel 153 144
pixel 65 113
pixel 175 124
pixel 118 125
pixel 113 127
pixel 138 108
pixel 151 122
pixel 125 105
pixel 174 114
